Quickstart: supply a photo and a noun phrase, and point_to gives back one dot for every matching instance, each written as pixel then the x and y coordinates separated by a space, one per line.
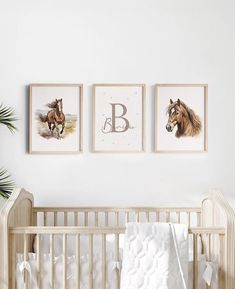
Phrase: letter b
pixel 114 117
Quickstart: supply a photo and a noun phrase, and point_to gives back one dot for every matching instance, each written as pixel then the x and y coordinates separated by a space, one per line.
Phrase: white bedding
pixel 71 267
pixel 31 266
pixel 155 256
pixel 84 262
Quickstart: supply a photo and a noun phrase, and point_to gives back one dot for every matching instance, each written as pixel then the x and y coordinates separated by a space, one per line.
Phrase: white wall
pixel 131 41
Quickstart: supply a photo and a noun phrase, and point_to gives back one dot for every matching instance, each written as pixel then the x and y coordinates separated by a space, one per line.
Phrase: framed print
pixel 118 117
pixel 55 118
pixel 181 118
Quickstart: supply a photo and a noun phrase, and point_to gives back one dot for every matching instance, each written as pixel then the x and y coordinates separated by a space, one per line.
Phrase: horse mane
pixel 52 104
pixel 190 117
pixel 195 120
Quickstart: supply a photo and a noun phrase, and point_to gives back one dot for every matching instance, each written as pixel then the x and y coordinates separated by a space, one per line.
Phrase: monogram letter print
pixel 118 117
pixel 111 125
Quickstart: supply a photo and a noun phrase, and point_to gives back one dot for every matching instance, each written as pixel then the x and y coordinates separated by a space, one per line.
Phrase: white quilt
pixel 149 256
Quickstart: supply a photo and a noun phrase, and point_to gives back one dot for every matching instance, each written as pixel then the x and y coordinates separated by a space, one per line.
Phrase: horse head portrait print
pixel 54 123
pixel 182 117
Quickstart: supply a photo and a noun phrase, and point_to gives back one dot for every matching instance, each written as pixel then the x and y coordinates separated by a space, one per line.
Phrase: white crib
pixel 21 222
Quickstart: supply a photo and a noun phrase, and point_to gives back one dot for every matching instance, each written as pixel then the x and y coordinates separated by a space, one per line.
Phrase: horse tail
pixel 43 118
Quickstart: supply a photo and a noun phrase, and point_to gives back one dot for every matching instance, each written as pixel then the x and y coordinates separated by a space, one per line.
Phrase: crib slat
pixel 106 219
pixel 147 216
pixel 25 259
pixel 209 246
pixel 65 219
pixel 75 218
pixel 52 260
pixel 86 219
pixel 13 254
pixel 189 218
pixel 221 262
pixel 90 261
pixel 38 261
pixel 157 216
pixel 117 259
pixel 127 217
pixel 137 216
pixel 64 261
pixel 55 219
pixel 178 217
pixel 96 219
pixel 78 261
pixel 195 262
pixel 104 277
pixel 117 218
pixel 208 237
pixel 34 219
pixel 45 218
pixel 167 217
pixel 198 219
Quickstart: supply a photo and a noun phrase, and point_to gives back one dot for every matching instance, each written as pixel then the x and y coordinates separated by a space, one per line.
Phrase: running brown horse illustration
pixel 182 116
pixel 55 117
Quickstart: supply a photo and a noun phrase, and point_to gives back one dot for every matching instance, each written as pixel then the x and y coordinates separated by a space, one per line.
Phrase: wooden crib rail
pixel 99 230
pixel 116 209
pixel 111 216
pixel 91 232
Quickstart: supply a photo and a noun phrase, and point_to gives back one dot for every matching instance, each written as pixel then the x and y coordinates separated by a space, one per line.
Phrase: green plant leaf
pixel 6 184
pixel 7 117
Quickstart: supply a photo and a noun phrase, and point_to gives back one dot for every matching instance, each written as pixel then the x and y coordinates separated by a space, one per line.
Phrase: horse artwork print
pixel 55 118
pixel 184 118
pixel 58 125
pixel 181 118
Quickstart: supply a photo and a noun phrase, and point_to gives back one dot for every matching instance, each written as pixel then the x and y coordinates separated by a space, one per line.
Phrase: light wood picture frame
pixel 55 118
pixel 181 118
pixel 118 118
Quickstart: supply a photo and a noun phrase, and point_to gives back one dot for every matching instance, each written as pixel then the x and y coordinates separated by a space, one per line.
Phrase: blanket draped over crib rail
pixel 150 256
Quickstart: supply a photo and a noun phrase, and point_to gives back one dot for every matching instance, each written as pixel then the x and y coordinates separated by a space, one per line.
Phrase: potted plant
pixel 7 118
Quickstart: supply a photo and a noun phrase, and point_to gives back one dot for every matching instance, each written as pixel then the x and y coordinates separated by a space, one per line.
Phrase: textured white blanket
pixel 149 256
